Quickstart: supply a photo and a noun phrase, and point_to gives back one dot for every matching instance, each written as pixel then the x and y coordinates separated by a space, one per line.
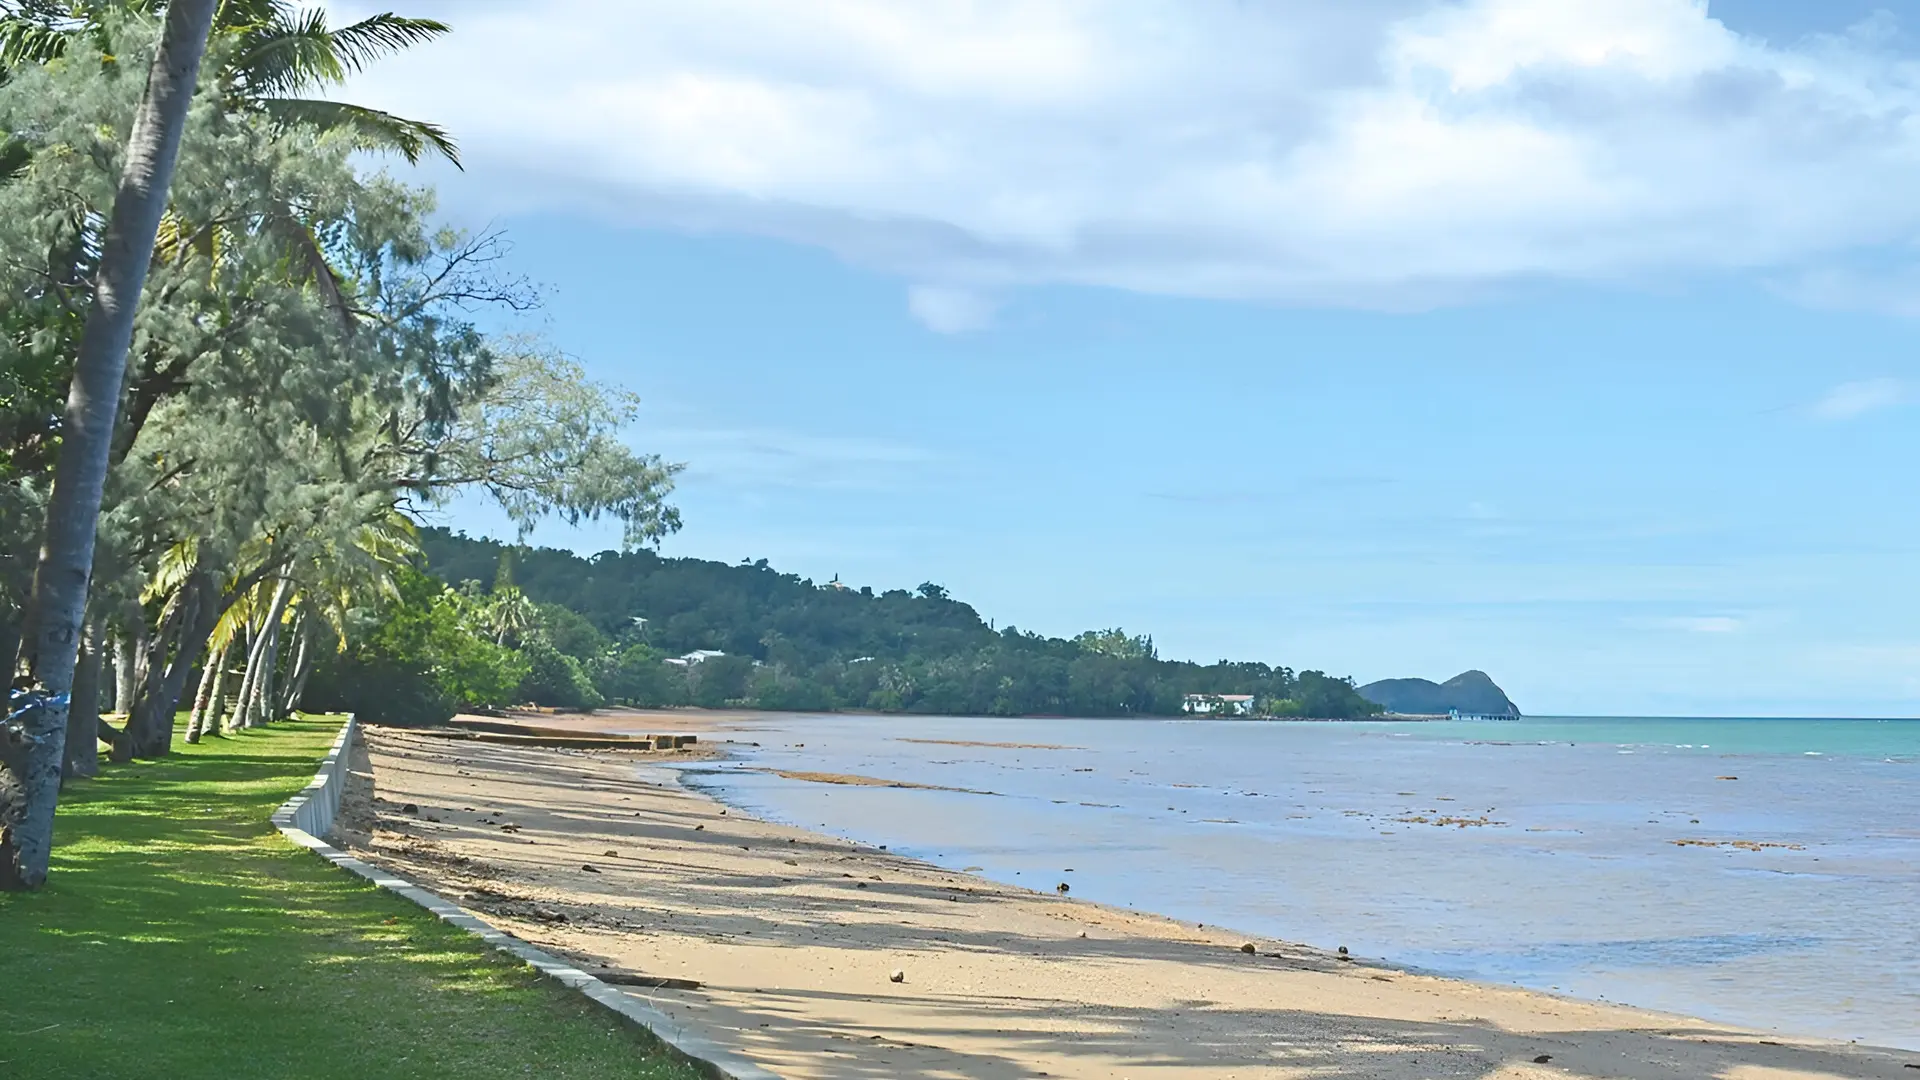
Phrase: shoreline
pixel 792 935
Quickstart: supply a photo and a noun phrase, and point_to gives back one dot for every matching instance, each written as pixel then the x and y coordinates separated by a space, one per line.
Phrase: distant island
pixel 1470 692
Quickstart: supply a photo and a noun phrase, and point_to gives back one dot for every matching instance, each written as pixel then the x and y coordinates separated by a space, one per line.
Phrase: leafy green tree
pixel 422 659
pixel 720 680
pixel 638 675
pixel 30 774
pixel 555 679
pixel 572 633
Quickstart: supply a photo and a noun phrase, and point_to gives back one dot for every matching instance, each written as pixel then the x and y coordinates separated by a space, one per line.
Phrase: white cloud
pixel 948 310
pixel 1851 399
pixel 1395 153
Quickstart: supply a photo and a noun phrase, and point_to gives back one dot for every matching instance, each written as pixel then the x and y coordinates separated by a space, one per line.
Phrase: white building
pixel 1219 704
pixel 693 657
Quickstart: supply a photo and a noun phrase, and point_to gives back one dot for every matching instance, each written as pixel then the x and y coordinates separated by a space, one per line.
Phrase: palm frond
pixel 368 40
pixel 25 41
pixel 371 128
pixel 177 564
pixel 311 266
pixel 284 54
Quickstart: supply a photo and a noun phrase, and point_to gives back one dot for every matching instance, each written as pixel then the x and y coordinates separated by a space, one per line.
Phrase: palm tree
pixel 93 405
pixel 274 55
pixel 509 614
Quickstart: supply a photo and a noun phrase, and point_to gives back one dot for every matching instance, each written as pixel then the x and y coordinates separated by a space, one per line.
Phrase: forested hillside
pixel 790 643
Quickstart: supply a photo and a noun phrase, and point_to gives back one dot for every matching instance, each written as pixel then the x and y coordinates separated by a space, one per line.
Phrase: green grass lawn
pixel 180 936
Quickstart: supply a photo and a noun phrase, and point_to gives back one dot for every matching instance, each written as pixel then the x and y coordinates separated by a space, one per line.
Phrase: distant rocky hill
pixel 1468 692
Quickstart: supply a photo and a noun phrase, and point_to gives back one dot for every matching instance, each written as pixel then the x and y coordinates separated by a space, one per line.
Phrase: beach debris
pixel 1458 822
pixel 590 868
pixel 1083 933
pixel 1249 948
pixel 1726 778
pixel 723 813
pixel 1343 954
pixel 549 915
pixel 410 808
pixel 612 853
pixel 509 827
pixel 859 884
pixel 655 982
pixel 896 975
pixel 1542 1059
pixel 1743 845
pixel 1063 888
pixel 697 828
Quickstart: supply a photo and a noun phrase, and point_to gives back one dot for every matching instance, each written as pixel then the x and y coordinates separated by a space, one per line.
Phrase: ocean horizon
pixel 1758 871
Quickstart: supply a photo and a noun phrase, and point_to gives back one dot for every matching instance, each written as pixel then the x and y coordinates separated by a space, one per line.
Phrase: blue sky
pixel 1571 342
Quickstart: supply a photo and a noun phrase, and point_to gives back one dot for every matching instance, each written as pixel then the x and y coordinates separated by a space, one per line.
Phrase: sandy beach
pixel 785 944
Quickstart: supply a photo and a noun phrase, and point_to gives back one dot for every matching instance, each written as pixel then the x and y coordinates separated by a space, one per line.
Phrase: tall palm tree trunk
pixel 250 710
pixel 197 611
pixel 263 698
pixel 129 644
pixel 217 710
pixel 249 674
pixel 298 666
pixel 83 715
pixel 204 700
pixel 30 786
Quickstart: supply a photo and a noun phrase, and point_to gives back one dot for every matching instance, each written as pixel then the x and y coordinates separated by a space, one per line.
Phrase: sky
pixel 1572 342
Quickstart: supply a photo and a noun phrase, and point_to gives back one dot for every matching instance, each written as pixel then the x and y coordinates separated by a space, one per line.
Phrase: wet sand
pixel 793 936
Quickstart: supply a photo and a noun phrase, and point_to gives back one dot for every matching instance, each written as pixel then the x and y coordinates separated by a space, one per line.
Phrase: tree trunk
pixel 209 678
pixel 263 698
pixel 30 785
pixel 217 708
pixel 83 715
pixel 298 666
pixel 9 640
pixel 256 641
pixel 248 708
pixel 152 668
pixel 200 610
pixel 127 648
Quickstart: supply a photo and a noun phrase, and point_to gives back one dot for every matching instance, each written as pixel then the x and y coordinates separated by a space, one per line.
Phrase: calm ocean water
pixel 1597 857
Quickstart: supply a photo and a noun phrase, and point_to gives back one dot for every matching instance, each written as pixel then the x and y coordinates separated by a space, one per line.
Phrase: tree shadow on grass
pixel 180 935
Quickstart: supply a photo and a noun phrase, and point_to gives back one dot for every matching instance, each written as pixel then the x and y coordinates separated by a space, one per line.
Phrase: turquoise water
pixel 1761 872
pixel 1725 735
